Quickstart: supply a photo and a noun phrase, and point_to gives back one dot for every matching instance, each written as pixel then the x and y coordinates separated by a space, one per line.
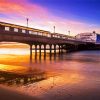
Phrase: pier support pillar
pixel 54 49
pixel 44 51
pixel 66 49
pixel 30 52
pixel 59 49
pixel 76 47
pixel 50 49
pixel 35 51
pixel 40 50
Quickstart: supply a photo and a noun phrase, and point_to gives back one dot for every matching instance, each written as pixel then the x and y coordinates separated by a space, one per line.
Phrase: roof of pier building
pixel 87 36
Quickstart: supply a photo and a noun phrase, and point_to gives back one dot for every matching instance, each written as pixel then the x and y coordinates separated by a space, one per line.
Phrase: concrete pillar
pixel 59 49
pixel 50 49
pixel 40 51
pixel 55 49
pixel 44 51
pixel 66 49
pixel 27 31
pixel 20 30
pixel 11 29
pixel 2 28
pixel 30 52
pixel 35 51
pixel 76 47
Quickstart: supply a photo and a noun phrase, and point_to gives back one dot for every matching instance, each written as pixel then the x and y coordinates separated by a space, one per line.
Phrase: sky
pixel 75 16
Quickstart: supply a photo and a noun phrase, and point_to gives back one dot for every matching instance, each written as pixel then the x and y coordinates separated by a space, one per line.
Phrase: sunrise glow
pixel 41 16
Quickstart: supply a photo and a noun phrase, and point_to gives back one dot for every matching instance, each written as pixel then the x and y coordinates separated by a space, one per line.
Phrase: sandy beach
pixel 8 94
pixel 77 77
pixel 51 94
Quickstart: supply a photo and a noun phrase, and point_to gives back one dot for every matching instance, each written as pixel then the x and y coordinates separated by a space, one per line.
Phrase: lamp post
pixel 27 21
pixel 54 28
pixel 27 25
pixel 69 32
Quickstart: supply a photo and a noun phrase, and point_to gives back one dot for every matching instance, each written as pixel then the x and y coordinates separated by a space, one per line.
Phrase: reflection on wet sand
pixel 9 78
pixel 20 71
pixel 61 77
pixel 54 83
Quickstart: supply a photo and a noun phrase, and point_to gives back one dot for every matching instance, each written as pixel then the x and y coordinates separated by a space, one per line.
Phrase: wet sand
pixel 7 94
pixel 93 95
pixel 78 80
pixel 70 86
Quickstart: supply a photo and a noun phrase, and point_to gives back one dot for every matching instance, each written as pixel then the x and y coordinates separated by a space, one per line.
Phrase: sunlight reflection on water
pixel 13 51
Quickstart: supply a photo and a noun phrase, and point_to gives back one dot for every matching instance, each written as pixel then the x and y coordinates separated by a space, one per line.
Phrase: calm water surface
pixel 70 74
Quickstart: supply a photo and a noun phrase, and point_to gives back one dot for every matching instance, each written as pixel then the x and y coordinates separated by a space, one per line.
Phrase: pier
pixel 41 40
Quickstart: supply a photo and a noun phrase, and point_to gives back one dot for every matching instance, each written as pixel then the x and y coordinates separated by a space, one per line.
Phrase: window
pixel 15 29
pixel 39 33
pixel 35 33
pixel 44 34
pixel 23 31
pixel 58 36
pixel 30 32
pixel 7 28
pixel 49 35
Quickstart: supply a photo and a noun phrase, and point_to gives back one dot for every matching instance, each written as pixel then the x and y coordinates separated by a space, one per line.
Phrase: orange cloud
pixel 22 8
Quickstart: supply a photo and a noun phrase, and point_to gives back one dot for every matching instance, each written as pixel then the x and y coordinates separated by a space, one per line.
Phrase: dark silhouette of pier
pixel 40 39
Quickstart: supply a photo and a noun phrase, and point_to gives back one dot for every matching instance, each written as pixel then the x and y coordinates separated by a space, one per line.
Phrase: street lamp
pixel 27 24
pixel 27 21
pixel 54 28
pixel 69 32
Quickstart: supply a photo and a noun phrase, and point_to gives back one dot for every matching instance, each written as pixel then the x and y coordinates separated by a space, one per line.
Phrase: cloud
pixel 22 8
pixel 16 11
